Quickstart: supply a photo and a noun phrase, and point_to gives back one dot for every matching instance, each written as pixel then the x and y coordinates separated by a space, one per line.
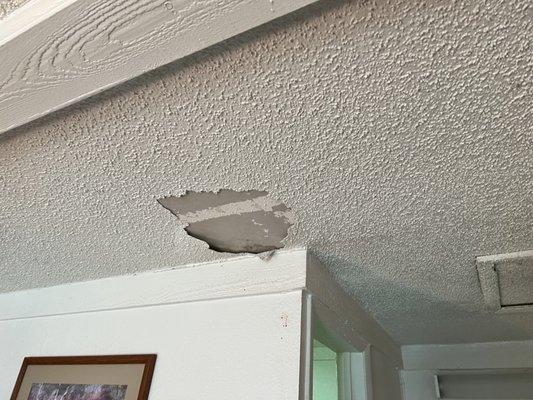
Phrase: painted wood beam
pixel 54 53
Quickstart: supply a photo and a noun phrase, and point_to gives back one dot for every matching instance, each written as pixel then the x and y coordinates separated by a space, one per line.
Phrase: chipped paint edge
pixel 215 210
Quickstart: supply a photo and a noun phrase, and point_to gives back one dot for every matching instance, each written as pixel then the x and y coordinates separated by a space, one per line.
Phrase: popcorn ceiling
pixel 398 132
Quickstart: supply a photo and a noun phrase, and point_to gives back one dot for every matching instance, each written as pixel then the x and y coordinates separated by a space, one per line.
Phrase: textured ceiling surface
pixel 399 133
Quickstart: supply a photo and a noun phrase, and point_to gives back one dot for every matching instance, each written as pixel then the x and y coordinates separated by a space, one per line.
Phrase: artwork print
pixel 62 391
pixel 85 377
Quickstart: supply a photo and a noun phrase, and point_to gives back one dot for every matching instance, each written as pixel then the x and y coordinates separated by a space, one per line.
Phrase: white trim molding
pixel 240 276
pixel 306 349
pixel 492 355
pixel 57 53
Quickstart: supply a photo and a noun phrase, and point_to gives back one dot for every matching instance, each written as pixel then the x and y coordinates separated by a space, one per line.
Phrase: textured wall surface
pixel 399 132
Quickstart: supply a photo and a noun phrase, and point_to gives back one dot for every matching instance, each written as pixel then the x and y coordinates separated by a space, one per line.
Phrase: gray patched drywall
pixel 232 221
pixel 399 133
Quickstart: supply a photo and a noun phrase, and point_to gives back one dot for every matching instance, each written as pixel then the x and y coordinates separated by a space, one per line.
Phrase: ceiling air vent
pixel 507 281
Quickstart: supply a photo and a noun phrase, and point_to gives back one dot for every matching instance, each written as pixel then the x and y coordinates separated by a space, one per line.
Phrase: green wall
pixel 325 385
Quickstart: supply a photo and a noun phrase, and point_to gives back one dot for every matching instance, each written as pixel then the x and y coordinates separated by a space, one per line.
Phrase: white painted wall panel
pixel 421 362
pixel 385 378
pixel 419 385
pixel 237 348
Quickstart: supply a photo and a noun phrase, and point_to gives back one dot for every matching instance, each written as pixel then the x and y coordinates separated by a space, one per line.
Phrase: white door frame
pixel 354 361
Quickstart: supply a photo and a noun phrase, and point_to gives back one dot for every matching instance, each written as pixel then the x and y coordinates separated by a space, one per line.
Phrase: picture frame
pixel 106 377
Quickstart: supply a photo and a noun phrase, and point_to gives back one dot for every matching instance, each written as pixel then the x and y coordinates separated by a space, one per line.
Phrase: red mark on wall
pixel 284 320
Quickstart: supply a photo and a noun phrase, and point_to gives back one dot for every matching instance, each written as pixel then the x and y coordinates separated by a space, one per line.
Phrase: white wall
pixel 419 385
pixel 421 362
pixel 224 330
pixel 236 348
pixel 518 354
pixel 385 378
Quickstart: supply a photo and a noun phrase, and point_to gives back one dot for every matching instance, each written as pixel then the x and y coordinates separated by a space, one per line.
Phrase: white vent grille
pixel 507 281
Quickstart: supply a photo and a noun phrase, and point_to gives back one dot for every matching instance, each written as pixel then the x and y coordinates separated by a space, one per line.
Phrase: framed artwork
pixel 123 377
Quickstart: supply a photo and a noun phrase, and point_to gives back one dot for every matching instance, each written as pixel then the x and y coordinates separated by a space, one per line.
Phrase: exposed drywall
pixel 232 221
pixel 195 343
pixel 399 132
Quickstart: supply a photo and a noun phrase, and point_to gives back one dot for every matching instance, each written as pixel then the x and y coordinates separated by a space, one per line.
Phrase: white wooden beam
pixel 54 54
pixel 235 277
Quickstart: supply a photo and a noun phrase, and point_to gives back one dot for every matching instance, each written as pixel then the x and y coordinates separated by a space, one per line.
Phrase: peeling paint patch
pixel 231 221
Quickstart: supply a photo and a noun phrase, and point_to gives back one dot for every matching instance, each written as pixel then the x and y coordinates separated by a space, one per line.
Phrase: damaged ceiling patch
pixel 232 222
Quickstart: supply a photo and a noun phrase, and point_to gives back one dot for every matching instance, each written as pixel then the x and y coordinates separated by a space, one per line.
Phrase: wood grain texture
pixel 90 46
pixel 230 278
